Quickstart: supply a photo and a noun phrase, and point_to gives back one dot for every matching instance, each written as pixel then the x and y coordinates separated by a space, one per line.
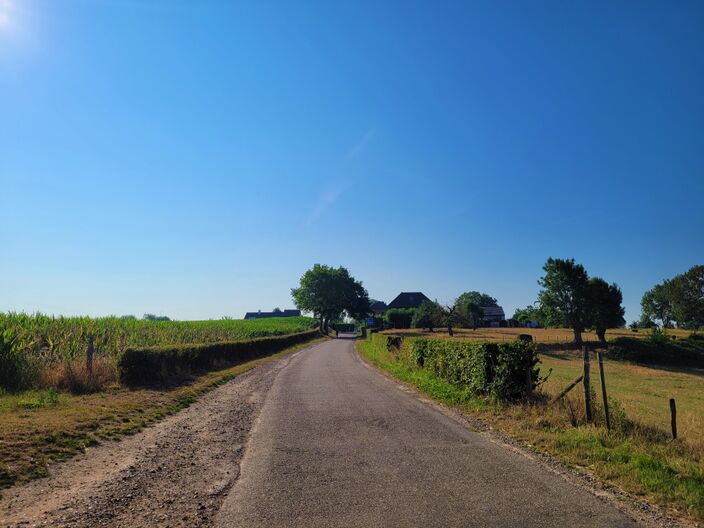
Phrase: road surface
pixel 314 438
pixel 337 444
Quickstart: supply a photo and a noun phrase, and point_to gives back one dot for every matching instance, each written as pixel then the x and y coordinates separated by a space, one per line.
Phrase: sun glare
pixel 5 13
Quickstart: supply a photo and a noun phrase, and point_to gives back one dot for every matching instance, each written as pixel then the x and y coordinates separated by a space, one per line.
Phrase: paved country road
pixel 315 438
pixel 337 444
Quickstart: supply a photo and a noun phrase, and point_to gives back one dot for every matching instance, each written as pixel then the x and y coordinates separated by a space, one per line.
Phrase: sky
pixel 193 159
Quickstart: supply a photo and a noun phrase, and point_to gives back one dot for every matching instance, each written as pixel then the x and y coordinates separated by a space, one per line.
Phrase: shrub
pixel 164 365
pixel 399 317
pixel 499 370
pixel 659 349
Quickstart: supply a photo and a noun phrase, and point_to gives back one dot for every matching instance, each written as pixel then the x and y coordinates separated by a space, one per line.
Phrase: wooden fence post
pixel 89 356
pixel 603 390
pixel 673 418
pixel 587 387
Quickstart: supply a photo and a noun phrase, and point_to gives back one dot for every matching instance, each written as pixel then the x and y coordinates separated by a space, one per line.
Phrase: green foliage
pixel 660 349
pixel 164 365
pixel 498 370
pixel 30 343
pixel 565 295
pixel 605 310
pixel 329 292
pixel 478 298
pixel 428 315
pixel 528 314
pixel 16 369
pixel 152 317
pixel 399 317
pixel 679 300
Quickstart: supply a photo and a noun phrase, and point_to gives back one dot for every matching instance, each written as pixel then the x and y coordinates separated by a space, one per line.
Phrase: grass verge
pixel 38 428
pixel 637 458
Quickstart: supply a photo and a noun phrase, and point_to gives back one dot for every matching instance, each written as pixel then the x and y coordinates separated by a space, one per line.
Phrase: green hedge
pixel 688 352
pixel 498 370
pixel 168 364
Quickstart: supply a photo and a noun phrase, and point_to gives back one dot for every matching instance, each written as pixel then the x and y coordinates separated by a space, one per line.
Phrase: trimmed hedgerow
pixel 660 350
pixel 165 365
pixel 499 370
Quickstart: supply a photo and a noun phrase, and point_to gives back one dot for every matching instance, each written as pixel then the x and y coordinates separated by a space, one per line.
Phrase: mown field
pixel 638 454
pixel 540 335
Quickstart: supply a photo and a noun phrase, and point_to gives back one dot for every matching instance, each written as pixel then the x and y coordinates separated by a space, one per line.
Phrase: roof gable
pixel 408 300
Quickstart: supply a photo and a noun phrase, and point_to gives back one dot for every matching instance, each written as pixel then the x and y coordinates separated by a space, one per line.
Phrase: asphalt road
pixel 338 444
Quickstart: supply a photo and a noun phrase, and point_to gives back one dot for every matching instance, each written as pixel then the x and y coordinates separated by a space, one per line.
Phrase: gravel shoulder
pixel 174 473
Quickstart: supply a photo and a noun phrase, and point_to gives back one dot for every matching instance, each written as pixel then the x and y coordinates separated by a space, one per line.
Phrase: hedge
pixel 499 370
pixel 168 364
pixel 687 352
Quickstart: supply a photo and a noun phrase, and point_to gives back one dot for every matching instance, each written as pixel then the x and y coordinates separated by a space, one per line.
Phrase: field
pixel 540 335
pixel 59 338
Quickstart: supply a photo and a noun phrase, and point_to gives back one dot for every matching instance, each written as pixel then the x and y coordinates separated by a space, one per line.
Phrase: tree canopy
pixel 678 301
pixel 478 298
pixel 330 293
pixel 565 295
pixel 605 310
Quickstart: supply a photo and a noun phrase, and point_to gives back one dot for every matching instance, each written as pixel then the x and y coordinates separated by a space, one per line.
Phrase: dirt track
pixel 175 473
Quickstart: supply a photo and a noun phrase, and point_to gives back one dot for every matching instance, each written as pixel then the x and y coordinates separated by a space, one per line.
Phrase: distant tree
pixel 478 298
pixel 564 298
pixel 427 315
pixel 152 317
pixel 605 310
pixel 399 317
pixel 679 300
pixel 656 305
pixel 473 315
pixel 277 310
pixel 528 314
pixel 329 293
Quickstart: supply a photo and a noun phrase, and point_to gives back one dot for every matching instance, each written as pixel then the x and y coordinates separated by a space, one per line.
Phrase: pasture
pixel 540 335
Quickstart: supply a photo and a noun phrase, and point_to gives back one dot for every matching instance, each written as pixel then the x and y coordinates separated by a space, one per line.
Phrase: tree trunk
pixel 578 336
pixel 449 330
pixel 601 334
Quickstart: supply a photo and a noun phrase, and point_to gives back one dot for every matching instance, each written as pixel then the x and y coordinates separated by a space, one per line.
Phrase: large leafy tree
pixel 605 307
pixel 564 298
pixel 478 298
pixel 427 315
pixel 679 300
pixel 330 293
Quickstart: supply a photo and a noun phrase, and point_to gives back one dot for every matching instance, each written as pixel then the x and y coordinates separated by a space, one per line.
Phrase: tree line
pixel 569 298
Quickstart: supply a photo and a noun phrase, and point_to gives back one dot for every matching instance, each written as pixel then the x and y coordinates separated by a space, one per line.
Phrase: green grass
pixel 635 456
pixel 38 428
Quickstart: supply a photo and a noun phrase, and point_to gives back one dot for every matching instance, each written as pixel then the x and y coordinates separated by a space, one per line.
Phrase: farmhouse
pixel 275 313
pixel 408 300
pixel 493 315
pixel 379 307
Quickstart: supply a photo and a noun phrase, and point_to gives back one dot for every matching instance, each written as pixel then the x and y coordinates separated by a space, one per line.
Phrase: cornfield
pixel 48 340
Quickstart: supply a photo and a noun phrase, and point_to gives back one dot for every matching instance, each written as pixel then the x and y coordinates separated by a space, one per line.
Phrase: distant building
pixel 379 307
pixel 408 300
pixel 493 315
pixel 275 313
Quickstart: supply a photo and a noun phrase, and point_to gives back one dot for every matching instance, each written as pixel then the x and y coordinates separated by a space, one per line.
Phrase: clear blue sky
pixel 192 158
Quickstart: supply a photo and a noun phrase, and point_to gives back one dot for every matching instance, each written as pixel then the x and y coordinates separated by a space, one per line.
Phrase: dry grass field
pixel 540 335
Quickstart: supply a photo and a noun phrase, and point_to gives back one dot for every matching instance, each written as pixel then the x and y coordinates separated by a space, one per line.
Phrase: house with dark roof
pixel 378 307
pixel 493 315
pixel 274 313
pixel 408 300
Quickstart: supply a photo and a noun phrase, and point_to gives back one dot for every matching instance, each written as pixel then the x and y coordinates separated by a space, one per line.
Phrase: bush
pixel 399 317
pixel 164 365
pixel 498 370
pixel 659 349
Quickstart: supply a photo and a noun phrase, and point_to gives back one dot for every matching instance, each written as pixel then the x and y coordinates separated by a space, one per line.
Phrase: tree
pixel 656 305
pixel 473 315
pixel 605 310
pixel 478 298
pixel 528 314
pixel 427 315
pixel 399 317
pixel 564 298
pixel 679 300
pixel 329 293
